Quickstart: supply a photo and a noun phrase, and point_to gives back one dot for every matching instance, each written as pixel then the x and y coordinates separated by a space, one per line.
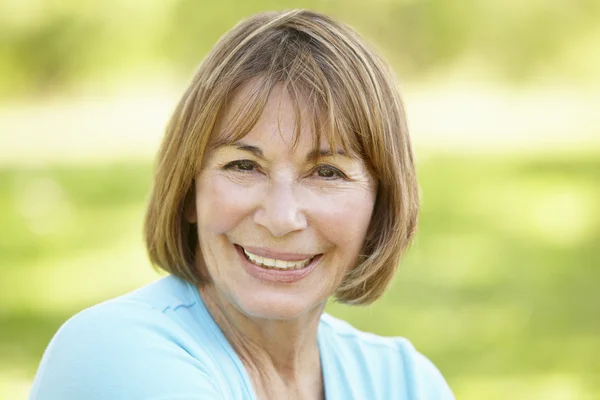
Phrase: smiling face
pixel 277 231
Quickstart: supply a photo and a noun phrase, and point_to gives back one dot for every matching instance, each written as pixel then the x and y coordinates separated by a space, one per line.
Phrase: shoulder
pixel 394 367
pixel 148 313
pixel 129 348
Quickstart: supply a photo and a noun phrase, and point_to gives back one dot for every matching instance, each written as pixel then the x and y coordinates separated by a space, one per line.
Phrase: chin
pixel 277 306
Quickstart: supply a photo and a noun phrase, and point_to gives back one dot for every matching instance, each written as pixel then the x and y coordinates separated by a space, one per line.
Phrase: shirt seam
pixel 221 338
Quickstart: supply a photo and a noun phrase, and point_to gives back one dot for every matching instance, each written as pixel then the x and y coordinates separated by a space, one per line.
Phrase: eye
pixel 241 165
pixel 328 172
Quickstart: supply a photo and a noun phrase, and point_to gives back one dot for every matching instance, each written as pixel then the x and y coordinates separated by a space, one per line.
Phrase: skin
pixel 277 199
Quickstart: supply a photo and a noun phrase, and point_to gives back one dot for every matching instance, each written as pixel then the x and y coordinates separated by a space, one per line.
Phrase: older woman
pixel 285 177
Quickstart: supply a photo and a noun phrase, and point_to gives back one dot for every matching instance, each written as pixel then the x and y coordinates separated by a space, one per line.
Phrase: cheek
pixel 221 204
pixel 344 218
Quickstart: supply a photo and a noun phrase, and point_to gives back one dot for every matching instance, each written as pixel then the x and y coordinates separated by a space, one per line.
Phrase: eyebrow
pixel 252 149
pixel 322 153
pixel 311 156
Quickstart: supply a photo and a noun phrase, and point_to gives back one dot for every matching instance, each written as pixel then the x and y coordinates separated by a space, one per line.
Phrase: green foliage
pixel 51 54
pixel 499 288
pixel 47 209
pixel 49 46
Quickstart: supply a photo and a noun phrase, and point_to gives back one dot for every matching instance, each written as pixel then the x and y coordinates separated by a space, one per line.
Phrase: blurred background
pixel 500 289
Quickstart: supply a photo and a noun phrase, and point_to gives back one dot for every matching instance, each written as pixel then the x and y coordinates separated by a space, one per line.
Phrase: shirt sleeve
pixel 121 351
pixel 426 381
pixel 432 384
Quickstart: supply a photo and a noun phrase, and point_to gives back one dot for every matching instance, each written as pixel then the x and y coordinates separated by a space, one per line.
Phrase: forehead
pixel 258 110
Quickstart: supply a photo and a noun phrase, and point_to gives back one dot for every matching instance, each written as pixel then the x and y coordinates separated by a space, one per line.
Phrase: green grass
pixel 500 289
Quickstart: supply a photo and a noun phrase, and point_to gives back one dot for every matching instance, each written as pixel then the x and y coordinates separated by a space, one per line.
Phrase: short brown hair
pixel 354 99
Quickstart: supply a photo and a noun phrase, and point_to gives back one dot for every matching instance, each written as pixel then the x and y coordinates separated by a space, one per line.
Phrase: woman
pixel 285 177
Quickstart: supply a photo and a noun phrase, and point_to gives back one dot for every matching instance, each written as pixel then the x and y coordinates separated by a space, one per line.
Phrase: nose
pixel 281 212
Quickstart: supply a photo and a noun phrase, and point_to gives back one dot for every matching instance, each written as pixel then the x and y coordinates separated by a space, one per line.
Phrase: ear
pixel 189 205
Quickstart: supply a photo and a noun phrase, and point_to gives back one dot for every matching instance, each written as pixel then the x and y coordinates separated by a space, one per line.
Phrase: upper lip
pixel 277 255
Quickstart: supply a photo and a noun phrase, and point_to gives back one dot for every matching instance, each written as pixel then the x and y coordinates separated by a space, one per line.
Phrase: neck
pixel 271 350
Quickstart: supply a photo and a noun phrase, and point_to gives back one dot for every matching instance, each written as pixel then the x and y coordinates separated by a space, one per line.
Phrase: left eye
pixel 328 172
pixel 242 165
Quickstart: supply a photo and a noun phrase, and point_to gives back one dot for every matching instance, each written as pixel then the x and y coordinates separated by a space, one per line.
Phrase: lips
pixel 275 263
pixel 300 264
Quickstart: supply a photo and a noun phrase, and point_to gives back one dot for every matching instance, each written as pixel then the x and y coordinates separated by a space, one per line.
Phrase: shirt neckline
pixel 220 336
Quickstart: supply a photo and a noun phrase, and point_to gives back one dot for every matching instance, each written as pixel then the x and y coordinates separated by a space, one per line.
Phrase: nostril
pixel 280 219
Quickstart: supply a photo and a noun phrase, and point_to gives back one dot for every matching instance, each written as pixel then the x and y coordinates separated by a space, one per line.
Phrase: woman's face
pixel 278 232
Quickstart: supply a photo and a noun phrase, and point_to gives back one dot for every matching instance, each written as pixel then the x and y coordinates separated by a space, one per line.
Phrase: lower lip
pixel 276 275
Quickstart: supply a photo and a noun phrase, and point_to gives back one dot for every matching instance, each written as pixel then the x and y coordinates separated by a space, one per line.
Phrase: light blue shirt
pixel 160 342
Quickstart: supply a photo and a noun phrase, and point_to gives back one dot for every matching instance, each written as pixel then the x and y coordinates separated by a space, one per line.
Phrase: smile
pixel 272 263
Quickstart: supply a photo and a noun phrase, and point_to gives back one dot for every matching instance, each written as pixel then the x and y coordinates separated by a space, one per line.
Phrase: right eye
pixel 241 165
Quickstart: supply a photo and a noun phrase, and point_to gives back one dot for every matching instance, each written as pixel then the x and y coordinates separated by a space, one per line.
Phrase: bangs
pixel 312 96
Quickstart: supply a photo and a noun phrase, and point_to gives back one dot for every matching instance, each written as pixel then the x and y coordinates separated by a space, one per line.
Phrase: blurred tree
pixel 509 40
pixel 54 52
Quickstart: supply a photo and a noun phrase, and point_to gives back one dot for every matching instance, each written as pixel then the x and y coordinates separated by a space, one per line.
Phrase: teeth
pixel 276 264
pixel 269 262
